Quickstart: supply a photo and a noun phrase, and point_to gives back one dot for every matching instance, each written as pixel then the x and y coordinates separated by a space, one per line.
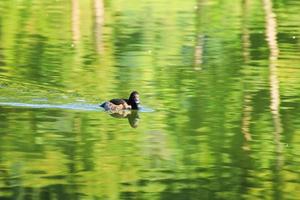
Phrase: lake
pixel 219 83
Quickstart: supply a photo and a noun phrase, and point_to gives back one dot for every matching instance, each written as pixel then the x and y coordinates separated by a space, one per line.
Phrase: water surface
pixel 221 79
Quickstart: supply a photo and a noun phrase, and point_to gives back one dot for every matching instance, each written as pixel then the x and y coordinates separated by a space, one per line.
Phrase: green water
pixel 222 77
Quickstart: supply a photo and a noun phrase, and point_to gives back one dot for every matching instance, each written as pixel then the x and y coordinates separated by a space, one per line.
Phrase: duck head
pixel 134 100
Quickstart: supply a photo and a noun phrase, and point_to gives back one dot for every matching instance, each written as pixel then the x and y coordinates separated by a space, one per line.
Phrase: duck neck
pixel 134 106
pixel 132 102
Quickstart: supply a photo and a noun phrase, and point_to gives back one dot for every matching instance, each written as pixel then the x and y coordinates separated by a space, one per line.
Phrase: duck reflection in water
pixel 124 108
pixel 131 115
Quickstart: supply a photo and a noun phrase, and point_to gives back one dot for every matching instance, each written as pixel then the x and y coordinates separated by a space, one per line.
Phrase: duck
pixel 131 103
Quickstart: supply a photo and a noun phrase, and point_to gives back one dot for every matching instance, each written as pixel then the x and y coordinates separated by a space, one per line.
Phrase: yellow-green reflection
pixel 221 77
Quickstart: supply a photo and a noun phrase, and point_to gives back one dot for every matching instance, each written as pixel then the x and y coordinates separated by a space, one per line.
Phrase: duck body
pixel 119 101
pixel 122 104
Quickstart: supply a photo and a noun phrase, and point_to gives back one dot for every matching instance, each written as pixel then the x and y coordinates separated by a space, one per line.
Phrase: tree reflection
pixel 98 24
pixel 247 108
pixel 75 21
pixel 271 37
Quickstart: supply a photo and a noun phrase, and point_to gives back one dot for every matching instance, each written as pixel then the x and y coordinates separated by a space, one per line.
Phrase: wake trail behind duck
pixel 82 107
